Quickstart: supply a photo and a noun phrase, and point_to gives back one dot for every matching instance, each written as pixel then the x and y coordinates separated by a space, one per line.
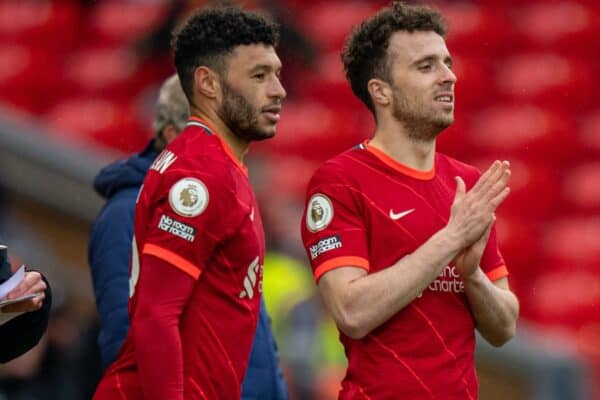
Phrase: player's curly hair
pixel 210 34
pixel 365 54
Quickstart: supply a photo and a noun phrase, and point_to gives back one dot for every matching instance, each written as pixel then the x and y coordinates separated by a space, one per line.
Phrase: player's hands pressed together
pixel 32 283
pixel 472 214
pixel 469 259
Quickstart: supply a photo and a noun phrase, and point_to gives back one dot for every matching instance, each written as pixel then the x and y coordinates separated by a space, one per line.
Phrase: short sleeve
pixel 333 229
pixel 492 262
pixel 189 219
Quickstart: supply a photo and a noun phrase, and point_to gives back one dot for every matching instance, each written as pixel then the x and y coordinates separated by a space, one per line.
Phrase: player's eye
pixel 259 77
pixel 425 67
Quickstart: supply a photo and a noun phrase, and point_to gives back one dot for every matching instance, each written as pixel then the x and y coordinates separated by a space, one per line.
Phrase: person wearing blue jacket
pixel 110 247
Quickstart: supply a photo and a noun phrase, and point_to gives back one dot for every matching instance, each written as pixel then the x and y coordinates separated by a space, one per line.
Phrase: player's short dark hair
pixel 365 54
pixel 210 34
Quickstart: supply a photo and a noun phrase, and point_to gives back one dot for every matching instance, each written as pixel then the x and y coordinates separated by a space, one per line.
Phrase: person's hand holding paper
pixel 24 291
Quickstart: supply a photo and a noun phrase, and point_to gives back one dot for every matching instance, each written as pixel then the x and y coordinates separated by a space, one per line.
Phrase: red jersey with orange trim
pixel 367 210
pixel 197 213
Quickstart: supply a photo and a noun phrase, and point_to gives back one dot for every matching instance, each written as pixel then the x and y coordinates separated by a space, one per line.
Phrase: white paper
pixel 12 282
pixel 25 297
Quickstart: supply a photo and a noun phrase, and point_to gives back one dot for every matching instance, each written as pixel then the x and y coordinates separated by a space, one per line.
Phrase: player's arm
pixel 360 302
pixel 181 237
pixel 158 351
pixel 495 308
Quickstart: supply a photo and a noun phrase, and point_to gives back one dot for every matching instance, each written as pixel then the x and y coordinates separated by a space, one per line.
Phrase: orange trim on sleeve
pixel 173 259
pixel 497 273
pixel 339 262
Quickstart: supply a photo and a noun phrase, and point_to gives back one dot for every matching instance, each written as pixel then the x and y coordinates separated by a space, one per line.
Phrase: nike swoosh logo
pixel 396 217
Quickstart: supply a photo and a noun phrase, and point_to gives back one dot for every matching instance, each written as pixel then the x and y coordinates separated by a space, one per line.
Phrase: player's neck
pixel 416 154
pixel 238 147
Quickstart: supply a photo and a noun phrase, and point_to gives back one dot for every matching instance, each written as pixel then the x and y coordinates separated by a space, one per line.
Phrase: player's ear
pixel 207 82
pixel 380 91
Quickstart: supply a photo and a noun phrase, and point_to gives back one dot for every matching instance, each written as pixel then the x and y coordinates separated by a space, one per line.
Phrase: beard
pixel 420 125
pixel 240 116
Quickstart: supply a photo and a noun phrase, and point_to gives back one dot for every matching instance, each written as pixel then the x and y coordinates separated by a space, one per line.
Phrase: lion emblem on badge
pixel 188 197
pixel 316 212
pixel 320 212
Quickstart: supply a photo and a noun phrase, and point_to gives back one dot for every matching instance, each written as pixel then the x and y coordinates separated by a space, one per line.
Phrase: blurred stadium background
pixel 78 80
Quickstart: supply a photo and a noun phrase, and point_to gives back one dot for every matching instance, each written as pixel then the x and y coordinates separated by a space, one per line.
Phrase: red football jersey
pixel 367 210
pixel 196 211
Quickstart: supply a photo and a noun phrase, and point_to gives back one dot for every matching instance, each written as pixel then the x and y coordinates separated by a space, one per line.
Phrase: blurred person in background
pixel 401 238
pixel 110 247
pixel 23 323
pixel 110 239
pixel 198 247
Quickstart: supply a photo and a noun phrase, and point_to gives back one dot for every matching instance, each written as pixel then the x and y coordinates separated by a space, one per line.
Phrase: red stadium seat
pixel 311 130
pixel 122 23
pixel 473 87
pixel 589 134
pixel 107 123
pixel 112 72
pixel 535 189
pixel 548 79
pixel 329 85
pixel 573 240
pixel 328 23
pixel 290 177
pixel 24 83
pixel 41 23
pixel 567 297
pixel 525 131
pixel 581 187
pixel 517 237
pixel 563 26
pixel 476 29
pixel 454 141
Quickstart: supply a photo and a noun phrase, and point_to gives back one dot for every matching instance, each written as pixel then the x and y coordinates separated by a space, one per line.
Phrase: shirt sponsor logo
pixel 188 197
pixel 177 228
pixel 325 245
pixel 253 276
pixel 448 281
pixel 163 161
pixel 319 212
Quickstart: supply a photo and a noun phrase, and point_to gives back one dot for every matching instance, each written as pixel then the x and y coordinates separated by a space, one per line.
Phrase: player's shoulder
pixel 190 185
pixel 338 168
pixel 200 157
pixel 213 177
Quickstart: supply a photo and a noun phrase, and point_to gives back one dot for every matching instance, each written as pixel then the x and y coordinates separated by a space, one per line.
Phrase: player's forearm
pixel 160 303
pixel 371 300
pixel 494 308
pixel 159 357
